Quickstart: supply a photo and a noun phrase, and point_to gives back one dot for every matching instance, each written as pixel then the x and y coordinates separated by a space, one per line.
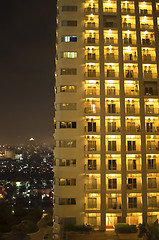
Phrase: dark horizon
pixel 27 70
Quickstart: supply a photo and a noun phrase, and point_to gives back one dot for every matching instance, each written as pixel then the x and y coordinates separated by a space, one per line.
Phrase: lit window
pixel 69 54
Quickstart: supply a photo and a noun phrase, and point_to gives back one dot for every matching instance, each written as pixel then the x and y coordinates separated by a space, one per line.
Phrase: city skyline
pixel 27 70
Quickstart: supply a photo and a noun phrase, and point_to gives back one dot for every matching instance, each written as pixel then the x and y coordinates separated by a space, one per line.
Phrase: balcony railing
pixel 92 91
pixel 112 109
pixel 146 26
pixel 92 110
pixel 150 75
pixel 111 40
pixel 145 11
pixel 111 56
pixel 134 187
pixel 109 10
pixel 152 129
pixel 91 10
pixel 132 110
pixel 152 147
pixel 127 10
pixel 95 129
pixel 133 148
pixel 91 168
pixel 130 57
pixel 151 110
pixel 133 129
pixel 112 91
pixel 111 74
pixel 92 73
pixel 153 205
pixel 152 185
pixel 130 74
pixel 132 206
pixel 131 92
pixel 91 187
pixel 147 41
pixel 128 25
pixel 91 40
pixel 92 148
pixel 148 58
pixel 91 56
pixel 130 41
pixel 113 130
pixel 91 25
pixel 114 206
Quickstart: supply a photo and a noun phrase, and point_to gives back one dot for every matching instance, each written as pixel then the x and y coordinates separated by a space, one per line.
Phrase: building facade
pixel 107 113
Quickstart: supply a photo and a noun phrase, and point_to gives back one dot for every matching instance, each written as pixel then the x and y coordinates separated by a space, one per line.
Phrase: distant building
pixel 10 153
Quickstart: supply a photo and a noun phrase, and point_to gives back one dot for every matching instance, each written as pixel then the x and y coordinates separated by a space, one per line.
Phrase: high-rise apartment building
pixel 107 113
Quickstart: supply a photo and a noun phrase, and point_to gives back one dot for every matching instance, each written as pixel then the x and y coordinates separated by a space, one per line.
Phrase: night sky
pixel 27 49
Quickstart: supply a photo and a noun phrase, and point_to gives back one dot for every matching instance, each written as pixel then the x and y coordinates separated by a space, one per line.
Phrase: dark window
pixel 112 165
pixel 68 71
pixel 91 164
pixel 69 8
pixel 73 124
pixel 69 23
pixel 112 183
pixel 132 202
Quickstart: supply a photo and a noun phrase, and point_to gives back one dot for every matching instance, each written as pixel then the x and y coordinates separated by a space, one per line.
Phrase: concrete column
pixel 102 118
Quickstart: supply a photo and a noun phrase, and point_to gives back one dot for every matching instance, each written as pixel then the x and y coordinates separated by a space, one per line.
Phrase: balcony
pixel 92 147
pixel 133 91
pixel 134 187
pixel 151 109
pixel 145 11
pixel 92 186
pixel 91 25
pixel 90 10
pixel 132 128
pixel 128 25
pixel 112 91
pixel 91 40
pixel 92 168
pixel 112 109
pixel 130 74
pixel 111 73
pixel 92 109
pixel 148 58
pixel 152 146
pixel 92 74
pixel 146 26
pixel 129 40
pixel 113 145
pixel 111 40
pixel 111 57
pixel 127 10
pixel 132 146
pixel 92 92
pixel 147 41
pixel 91 57
pixel 109 9
pixel 130 57
pixel 131 109
pixel 113 206
pixel 112 124
pixel 148 74
pixel 92 128
pixel 150 128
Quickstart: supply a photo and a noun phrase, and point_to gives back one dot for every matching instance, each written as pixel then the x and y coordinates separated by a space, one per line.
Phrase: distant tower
pixel 32 144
